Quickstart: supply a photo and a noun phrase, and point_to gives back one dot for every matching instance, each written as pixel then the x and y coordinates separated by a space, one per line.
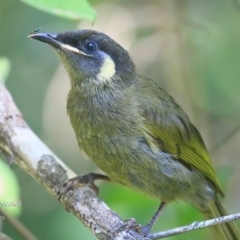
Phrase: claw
pixel 130 223
pixel 87 179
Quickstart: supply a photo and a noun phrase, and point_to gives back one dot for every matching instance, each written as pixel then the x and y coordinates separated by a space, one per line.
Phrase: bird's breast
pixel 105 127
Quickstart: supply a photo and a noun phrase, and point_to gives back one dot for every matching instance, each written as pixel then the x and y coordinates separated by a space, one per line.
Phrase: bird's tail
pixel 226 231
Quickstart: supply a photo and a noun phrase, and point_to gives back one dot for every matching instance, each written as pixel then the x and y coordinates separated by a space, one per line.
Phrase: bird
pixel 134 130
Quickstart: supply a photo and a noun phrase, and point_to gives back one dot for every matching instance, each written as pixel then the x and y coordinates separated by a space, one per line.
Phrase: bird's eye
pixel 90 47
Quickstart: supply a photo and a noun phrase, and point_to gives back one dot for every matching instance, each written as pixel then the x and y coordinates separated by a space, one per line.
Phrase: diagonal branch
pixel 18 142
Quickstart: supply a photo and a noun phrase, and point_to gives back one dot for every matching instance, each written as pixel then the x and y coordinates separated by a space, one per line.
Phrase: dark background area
pixel 191 48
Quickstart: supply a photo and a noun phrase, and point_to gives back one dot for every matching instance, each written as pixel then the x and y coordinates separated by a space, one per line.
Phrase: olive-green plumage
pixel 132 129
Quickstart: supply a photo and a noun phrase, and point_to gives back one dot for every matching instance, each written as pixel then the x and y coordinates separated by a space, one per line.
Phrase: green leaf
pixel 9 190
pixel 73 9
pixel 4 68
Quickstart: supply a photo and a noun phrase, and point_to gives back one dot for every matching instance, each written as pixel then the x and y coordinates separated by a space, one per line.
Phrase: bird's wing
pixel 169 126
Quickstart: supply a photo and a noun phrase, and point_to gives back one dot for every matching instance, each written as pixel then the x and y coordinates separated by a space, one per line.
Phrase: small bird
pixel 133 130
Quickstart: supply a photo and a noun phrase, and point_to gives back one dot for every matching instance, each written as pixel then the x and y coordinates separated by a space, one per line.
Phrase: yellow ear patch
pixel 107 70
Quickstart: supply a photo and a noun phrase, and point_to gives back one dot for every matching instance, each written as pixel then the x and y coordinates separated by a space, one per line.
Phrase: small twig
pixel 18 226
pixel 195 226
pixel 226 138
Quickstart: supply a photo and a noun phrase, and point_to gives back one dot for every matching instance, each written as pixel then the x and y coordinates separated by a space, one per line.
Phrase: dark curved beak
pixel 51 39
pixel 48 38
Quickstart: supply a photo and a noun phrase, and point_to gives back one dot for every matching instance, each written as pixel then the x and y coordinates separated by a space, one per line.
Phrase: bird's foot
pixel 144 231
pixel 86 179
pixel 132 224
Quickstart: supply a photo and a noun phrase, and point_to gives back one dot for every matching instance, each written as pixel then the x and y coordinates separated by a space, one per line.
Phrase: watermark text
pixel 10 204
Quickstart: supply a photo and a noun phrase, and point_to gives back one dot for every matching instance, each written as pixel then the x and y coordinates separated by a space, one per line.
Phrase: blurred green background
pixel 191 47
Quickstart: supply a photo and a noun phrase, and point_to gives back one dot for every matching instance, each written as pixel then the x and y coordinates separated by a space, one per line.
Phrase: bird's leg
pixel 86 179
pixel 143 230
pixel 146 229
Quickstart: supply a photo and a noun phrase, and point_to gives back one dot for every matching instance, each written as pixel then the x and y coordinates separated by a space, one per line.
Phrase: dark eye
pixel 90 47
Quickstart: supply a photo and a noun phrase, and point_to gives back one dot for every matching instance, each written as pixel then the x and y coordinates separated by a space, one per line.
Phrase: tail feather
pixel 226 231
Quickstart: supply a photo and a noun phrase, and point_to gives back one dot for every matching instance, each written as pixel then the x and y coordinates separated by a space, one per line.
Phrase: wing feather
pixel 169 126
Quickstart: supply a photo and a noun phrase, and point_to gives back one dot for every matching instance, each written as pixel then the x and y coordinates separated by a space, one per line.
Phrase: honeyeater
pixel 133 130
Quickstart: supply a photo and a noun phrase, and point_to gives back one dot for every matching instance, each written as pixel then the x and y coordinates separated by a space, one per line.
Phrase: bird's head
pixel 90 55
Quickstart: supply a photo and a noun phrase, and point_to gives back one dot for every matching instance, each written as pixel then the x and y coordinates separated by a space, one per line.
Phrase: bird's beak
pixel 52 40
pixel 47 38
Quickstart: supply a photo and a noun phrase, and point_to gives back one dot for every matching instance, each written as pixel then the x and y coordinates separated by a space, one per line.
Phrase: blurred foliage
pixel 190 47
pixel 4 68
pixel 71 9
pixel 9 191
pixel 9 186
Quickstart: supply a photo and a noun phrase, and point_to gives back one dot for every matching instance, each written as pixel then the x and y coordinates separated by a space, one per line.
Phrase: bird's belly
pixel 111 154
pixel 132 163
